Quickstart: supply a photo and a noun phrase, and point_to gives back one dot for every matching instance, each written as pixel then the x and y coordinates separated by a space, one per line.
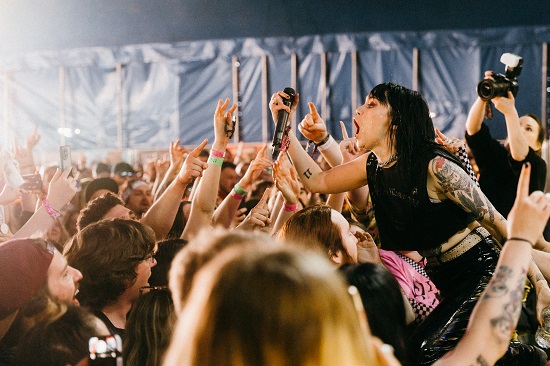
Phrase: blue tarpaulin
pixel 144 96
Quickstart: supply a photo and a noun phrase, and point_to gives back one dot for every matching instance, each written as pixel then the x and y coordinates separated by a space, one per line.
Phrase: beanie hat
pixel 23 269
pixel 98 184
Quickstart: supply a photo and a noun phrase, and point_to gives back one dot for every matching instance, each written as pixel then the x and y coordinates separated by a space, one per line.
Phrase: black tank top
pixel 405 216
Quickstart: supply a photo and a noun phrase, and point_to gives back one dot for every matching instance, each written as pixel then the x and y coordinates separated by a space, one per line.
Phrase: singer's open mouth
pixel 356 127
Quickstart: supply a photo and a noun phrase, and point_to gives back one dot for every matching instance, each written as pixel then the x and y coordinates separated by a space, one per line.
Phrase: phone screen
pixel 105 351
pixel 65 157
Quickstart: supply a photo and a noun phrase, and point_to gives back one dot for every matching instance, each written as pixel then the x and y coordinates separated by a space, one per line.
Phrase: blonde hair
pixel 268 306
pixel 198 252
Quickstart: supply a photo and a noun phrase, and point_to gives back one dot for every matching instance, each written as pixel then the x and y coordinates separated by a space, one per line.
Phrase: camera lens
pixel 485 89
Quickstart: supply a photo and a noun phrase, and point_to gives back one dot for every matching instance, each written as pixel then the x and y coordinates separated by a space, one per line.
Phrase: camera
pixel 487 89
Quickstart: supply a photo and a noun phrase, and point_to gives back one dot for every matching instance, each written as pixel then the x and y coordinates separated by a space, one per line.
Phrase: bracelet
pixel 325 145
pixel 323 141
pixel 216 153
pixel 55 214
pixel 239 190
pixel 237 196
pixel 289 208
pixel 520 239
pixel 215 160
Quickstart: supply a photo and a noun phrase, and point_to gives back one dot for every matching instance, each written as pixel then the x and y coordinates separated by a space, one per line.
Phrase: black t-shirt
pixel 114 330
pixel 499 173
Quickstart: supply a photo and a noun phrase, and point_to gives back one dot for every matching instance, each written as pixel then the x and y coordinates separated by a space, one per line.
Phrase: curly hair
pixel 107 253
pixel 96 209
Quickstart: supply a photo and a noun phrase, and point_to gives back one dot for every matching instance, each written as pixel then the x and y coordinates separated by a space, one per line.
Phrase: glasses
pixel 126 174
pixel 146 289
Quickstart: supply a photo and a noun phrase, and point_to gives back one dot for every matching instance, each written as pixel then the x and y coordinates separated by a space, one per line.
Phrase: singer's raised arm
pixel 313 178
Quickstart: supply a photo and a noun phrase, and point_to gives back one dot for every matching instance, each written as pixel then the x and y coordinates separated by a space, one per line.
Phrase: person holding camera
pixel 500 165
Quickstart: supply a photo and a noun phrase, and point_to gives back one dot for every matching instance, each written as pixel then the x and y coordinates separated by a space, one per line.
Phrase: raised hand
pixel 535 206
pixel 192 166
pixel 257 166
pixel 451 144
pixel 348 146
pixel 258 216
pixel 286 179
pixel 224 125
pixel 276 104
pixel 62 189
pixel 177 153
pixel 33 139
pixel 313 127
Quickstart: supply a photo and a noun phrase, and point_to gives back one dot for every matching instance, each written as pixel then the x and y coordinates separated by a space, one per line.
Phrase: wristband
pixel 326 144
pixel 323 141
pixel 289 208
pixel 239 190
pixel 520 239
pixel 216 153
pixel 237 196
pixel 55 214
pixel 215 160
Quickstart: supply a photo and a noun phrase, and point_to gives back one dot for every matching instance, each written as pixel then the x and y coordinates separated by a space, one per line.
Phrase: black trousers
pixel 461 283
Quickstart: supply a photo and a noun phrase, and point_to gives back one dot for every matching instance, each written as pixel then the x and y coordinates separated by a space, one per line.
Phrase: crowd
pixel 392 247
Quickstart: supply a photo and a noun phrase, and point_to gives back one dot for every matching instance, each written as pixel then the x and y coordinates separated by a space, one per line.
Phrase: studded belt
pixel 469 241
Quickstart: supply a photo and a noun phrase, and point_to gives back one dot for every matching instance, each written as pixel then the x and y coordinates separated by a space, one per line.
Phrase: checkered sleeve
pixel 463 156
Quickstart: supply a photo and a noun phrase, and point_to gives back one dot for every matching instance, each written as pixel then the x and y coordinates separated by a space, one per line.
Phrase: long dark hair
pixel 383 302
pixel 411 130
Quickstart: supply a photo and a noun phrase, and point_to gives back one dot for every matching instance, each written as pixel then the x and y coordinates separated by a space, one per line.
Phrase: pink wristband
pixel 217 153
pixel 238 196
pixel 289 207
pixel 50 210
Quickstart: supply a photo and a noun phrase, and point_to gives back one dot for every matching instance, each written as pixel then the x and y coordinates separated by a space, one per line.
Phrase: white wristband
pixel 326 145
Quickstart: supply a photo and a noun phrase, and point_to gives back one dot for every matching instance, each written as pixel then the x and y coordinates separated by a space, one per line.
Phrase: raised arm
pixel 61 190
pixel 519 147
pixel 204 200
pixel 311 175
pixel 286 181
pixel 224 213
pixel 162 213
pixel 496 314
pixel 476 113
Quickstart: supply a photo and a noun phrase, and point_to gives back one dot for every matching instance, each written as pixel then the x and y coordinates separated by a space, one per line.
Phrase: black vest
pixel 405 216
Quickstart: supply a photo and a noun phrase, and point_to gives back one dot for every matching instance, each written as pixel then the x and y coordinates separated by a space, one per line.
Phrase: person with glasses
pixel 115 258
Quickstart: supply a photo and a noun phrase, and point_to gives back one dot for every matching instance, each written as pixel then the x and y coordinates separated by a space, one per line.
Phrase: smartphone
pixel 65 157
pixel 105 351
pixel 33 182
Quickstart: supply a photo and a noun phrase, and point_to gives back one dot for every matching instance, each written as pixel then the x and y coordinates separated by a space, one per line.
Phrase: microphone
pixel 282 128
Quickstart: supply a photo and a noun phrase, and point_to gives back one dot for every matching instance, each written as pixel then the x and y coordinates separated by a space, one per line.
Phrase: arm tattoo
pixel 456 183
pixel 504 324
pixel 307 173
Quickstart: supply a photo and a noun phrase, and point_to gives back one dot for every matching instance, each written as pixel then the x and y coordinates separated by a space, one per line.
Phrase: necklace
pixel 388 162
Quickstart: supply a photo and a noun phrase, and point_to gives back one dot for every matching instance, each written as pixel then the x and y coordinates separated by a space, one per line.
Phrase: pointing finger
pixel 196 151
pixel 344 131
pixel 313 110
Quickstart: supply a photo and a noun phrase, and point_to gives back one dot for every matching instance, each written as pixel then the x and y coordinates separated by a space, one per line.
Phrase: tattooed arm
pixel 496 313
pixel 449 181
